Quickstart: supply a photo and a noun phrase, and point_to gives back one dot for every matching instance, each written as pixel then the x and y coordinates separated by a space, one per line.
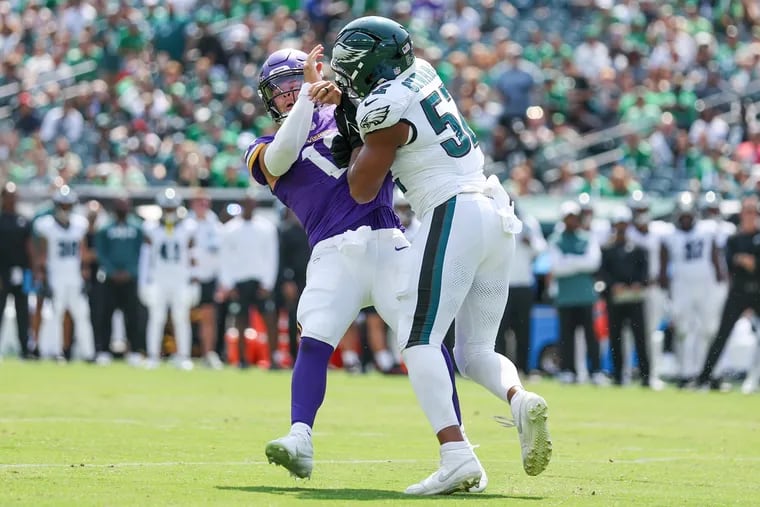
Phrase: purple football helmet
pixel 276 78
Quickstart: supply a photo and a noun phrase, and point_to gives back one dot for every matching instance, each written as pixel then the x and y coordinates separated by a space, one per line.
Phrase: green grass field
pixel 83 435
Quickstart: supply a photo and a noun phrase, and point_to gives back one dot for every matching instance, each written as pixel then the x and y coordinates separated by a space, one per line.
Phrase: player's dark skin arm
pixel 87 256
pixel 370 163
pixel 715 258
pixel 40 260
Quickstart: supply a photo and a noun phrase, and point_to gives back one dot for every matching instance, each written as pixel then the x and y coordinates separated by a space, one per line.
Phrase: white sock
pixel 454 446
pixel 491 370
pixel 349 357
pixel 516 401
pixel 384 360
pixel 300 428
pixel 431 383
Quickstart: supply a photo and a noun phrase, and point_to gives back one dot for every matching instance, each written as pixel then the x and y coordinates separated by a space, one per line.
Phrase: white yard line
pixel 203 463
pixel 89 420
pixel 636 461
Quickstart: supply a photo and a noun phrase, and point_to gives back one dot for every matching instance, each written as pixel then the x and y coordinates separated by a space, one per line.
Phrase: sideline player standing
pixel 345 237
pixel 692 257
pixel 459 263
pixel 60 264
pixel 164 279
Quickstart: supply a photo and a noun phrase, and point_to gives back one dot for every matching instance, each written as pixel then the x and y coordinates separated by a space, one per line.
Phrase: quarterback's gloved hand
pixel 341 151
pixel 345 117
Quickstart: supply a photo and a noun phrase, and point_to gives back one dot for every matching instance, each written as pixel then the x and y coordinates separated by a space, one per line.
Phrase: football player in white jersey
pixel 648 234
pixel 459 263
pixel 713 223
pixel 691 256
pixel 164 279
pixel 60 264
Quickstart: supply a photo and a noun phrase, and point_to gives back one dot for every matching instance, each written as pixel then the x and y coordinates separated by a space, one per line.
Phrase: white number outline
pixel 326 165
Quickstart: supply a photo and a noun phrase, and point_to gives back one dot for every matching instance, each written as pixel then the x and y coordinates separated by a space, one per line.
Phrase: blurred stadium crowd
pixel 567 96
pixel 591 98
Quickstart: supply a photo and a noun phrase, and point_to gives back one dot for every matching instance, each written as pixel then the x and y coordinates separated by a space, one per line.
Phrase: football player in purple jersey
pixel 356 248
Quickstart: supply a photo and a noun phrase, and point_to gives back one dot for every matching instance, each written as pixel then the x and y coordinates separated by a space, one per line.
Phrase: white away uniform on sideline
pixel 165 284
pixel 440 171
pixel 692 281
pixel 64 276
pixel 721 230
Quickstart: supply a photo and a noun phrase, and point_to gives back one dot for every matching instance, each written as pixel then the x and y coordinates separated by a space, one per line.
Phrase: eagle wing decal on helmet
pixel 346 54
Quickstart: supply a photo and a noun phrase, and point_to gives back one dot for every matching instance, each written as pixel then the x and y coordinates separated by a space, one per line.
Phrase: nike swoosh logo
pixel 399 249
pixel 446 476
pixel 368 102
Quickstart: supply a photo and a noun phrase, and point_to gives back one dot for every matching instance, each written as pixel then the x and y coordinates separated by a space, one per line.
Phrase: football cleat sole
pixel 278 455
pixel 540 453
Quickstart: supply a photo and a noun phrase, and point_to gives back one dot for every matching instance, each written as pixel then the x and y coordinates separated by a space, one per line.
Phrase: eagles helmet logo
pixel 345 54
pixel 375 117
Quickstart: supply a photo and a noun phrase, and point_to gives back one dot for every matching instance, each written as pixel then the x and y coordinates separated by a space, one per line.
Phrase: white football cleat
pixel 103 359
pixel 212 360
pixel 294 452
pixel 530 418
pixel 480 487
pixel 151 364
pixel 460 470
pixel 184 364
pixel 135 359
pixel 749 386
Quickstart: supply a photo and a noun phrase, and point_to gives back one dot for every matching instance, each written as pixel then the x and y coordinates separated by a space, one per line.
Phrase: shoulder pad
pixel 382 108
pixel 251 158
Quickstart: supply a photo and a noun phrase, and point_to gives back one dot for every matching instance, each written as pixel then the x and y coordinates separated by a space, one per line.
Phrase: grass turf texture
pixel 83 435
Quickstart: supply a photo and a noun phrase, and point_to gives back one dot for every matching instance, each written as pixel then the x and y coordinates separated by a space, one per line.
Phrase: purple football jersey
pixel 317 190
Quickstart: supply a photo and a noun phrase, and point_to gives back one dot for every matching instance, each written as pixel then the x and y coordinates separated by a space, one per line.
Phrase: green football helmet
pixel 369 51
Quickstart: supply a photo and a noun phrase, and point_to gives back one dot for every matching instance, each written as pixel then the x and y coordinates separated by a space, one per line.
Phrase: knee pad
pixel 460 359
pixel 465 356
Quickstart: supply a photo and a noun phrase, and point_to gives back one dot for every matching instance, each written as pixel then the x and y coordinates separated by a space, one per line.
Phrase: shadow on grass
pixel 357 494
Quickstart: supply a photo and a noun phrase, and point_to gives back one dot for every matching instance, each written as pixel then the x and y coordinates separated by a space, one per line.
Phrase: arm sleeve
pixel 560 263
pixel 589 262
pixel 286 146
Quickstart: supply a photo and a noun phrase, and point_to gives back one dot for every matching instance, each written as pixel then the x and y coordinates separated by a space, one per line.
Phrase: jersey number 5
pixel 464 139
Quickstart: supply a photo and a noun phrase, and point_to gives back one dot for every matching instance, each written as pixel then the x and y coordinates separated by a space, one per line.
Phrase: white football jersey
pixel 442 157
pixel 720 228
pixel 690 254
pixel 64 255
pixel 170 250
pixel 208 239
pixel 651 242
